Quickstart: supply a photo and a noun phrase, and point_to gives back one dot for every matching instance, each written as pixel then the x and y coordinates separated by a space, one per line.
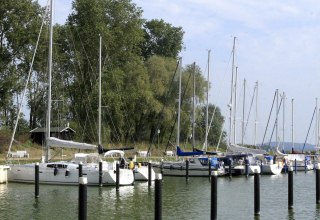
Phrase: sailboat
pixel 300 161
pixel 198 162
pixel 65 172
pixel 140 172
pixel 236 154
pixel 269 164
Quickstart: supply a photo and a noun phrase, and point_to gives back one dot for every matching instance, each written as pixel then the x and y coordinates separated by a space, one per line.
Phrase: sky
pixel 277 44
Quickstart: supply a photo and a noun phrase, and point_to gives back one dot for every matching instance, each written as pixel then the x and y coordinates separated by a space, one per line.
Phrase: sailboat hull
pixel 271 169
pixel 66 174
pixel 142 174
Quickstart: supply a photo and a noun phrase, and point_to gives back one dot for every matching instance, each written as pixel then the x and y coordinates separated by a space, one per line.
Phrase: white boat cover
pixel 113 153
pixel 298 157
pixel 244 150
pixel 56 142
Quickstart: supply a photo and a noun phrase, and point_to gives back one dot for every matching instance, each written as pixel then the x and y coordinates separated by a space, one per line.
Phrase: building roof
pixel 53 129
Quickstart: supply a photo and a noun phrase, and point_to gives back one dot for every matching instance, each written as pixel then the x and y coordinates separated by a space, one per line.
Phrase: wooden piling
pixel 214 195
pixel 210 170
pixel 290 188
pixel 317 167
pixel 100 173
pixel 82 212
pixel 117 176
pixel 149 173
pixel 36 180
pixel 247 167
pixel 80 169
pixel 187 170
pixel 158 197
pixel 256 192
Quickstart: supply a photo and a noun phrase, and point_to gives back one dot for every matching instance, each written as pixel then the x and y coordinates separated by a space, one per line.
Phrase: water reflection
pixel 290 214
pixel 180 200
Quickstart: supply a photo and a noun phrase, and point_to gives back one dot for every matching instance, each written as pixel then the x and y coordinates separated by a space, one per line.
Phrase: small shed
pixel 38 134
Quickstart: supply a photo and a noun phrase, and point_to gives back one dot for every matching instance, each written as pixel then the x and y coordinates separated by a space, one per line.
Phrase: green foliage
pixel 162 39
pixel 19 21
pixel 139 73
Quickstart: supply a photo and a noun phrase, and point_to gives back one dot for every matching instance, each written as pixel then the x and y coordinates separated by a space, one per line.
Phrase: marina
pixel 88 96
pixel 180 200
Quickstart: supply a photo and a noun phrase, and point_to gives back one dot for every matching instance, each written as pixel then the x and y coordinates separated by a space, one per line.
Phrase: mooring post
pixel 82 212
pixel 100 173
pixel 158 197
pixel 161 167
pixel 230 168
pixel 256 192
pixel 247 167
pixel 290 188
pixel 36 180
pixel 187 170
pixel 285 167
pixel 214 195
pixel 80 169
pixel 117 176
pixel 149 173
pixel 210 170
pixel 305 165
pixel 295 166
pixel 317 167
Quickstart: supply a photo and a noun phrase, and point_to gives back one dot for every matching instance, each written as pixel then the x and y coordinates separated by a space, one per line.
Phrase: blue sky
pixel 277 45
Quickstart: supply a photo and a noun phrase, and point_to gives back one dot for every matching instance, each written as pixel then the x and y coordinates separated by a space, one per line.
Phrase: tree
pixel 19 22
pixel 216 128
pixel 119 23
pixel 162 39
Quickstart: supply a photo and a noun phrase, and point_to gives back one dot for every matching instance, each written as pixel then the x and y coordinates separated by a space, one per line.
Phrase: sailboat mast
pixel 207 111
pixel 179 103
pixel 193 106
pixel 256 118
pixel 235 106
pixel 316 130
pixel 283 120
pixel 231 96
pixel 292 125
pixel 277 111
pixel 99 108
pixel 243 109
pixel 49 82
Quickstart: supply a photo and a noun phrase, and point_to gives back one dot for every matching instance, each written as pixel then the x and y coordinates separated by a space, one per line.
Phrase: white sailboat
pixel 234 150
pixel 64 172
pixel 198 164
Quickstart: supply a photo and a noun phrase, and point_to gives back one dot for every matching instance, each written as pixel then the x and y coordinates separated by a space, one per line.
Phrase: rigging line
pixel 315 108
pixel 27 81
pixel 276 121
pixel 181 101
pixel 123 106
pixel 220 136
pixel 249 113
pixel 90 78
pixel 211 120
pixel 86 93
pixel 219 92
pixel 114 127
pixel 163 106
pixel 274 98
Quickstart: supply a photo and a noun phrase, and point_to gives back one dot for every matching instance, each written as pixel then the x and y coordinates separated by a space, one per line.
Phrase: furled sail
pixel 239 149
pixel 56 142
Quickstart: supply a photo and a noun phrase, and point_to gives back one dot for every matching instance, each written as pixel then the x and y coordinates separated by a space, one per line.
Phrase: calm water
pixel 180 200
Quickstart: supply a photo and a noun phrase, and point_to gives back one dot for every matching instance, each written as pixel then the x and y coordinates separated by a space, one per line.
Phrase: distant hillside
pixel 288 147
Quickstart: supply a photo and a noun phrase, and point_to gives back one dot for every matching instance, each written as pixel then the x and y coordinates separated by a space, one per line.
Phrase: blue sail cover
pixel 182 153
